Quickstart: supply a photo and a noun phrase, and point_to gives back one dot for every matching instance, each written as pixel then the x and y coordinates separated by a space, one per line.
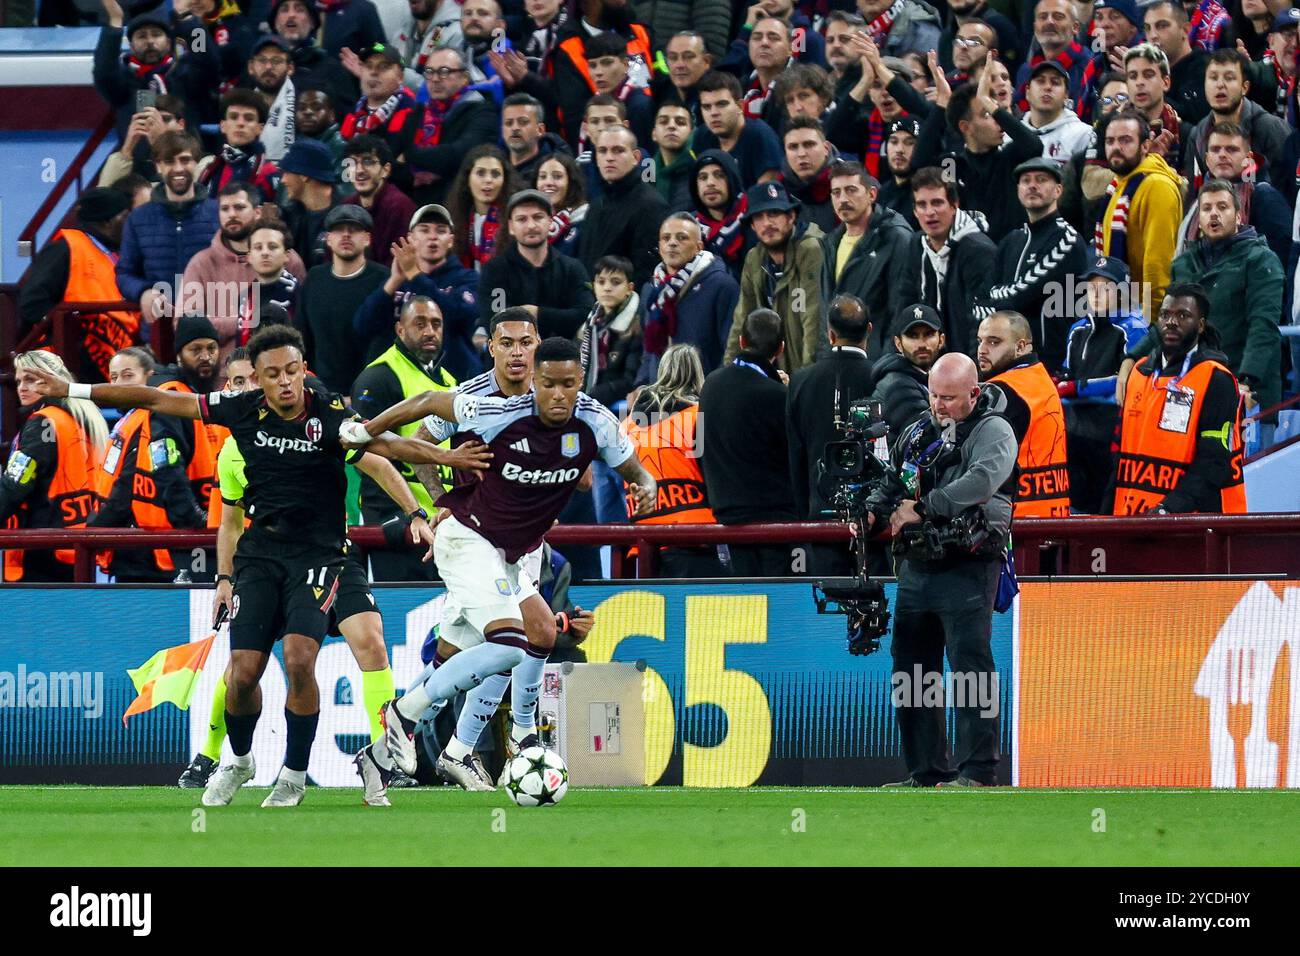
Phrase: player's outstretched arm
pixel 413 409
pixel 180 404
pixel 641 483
pixel 471 456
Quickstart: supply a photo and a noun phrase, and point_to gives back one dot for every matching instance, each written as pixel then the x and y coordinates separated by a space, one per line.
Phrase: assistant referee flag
pixel 170 675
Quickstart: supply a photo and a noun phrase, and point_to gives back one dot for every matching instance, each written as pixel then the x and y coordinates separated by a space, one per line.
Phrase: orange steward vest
pixel 1043 483
pixel 91 278
pixel 71 489
pixel 664 449
pixel 1152 459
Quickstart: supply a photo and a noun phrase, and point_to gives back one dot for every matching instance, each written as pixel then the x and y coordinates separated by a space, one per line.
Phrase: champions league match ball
pixel 537 777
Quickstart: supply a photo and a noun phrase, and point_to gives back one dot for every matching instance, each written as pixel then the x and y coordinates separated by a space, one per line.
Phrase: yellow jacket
pixel 1153 219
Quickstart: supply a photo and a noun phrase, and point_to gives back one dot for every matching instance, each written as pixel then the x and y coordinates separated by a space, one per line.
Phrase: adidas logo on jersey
pixel 521 445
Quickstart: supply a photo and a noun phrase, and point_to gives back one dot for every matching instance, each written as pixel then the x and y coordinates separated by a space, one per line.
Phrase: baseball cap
pixel 917 314
pixel 1288 19
pixel 529 196
pixel 387 51
pixel 432 213
pixel 1108 267
pixel 1050 65
pixel 769 197
pixel 348 213
pixel 270 39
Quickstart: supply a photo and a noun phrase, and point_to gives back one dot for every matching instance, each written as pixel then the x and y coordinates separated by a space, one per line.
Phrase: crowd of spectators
pixel 801 193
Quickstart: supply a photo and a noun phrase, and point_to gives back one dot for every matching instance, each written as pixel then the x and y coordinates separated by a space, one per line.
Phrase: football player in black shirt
pixel 291 569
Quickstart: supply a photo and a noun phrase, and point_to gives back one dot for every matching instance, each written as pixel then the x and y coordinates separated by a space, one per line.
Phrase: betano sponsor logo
pixel 539 476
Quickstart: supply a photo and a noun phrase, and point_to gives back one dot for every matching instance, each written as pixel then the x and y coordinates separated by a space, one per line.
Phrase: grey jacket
pixel 982 471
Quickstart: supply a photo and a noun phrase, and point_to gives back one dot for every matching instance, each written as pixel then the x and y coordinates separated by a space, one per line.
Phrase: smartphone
pixel 145 100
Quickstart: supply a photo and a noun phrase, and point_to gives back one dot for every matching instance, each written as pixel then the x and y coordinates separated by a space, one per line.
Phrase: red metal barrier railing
pixel 1174 545
pixel 72 176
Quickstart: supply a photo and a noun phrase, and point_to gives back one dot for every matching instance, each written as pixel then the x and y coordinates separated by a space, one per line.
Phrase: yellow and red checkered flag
pixel 170 675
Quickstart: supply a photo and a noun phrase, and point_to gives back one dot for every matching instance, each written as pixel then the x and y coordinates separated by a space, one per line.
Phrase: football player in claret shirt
pixel 541 443
pixel 291 571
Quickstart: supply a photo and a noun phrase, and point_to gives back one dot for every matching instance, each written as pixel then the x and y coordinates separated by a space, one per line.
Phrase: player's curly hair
pixel 274 337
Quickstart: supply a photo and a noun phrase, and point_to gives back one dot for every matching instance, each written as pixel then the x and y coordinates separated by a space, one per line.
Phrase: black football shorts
pixel 307 594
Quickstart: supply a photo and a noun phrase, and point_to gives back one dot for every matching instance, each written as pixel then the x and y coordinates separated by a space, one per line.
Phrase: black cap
pixel 349 213
pixel 101 204
pixel 1039 164
pixel 904 124
pixel 1050 65
pixel 386 50
pixel 917 314
pixel 1108 267
pixel 534 196
pixel 193 327
pixel 769 197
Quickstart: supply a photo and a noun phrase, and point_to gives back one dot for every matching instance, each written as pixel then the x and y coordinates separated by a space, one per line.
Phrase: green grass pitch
pixel 153 826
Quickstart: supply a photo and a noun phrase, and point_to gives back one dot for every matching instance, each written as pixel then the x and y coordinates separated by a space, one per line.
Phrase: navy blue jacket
pixel 161 237
pixel 455 289
pixel 704 316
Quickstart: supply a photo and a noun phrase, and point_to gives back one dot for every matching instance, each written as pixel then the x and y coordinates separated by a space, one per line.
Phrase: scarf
pixel 364 120
pixel 435 114
pixel 814 192
pixel 482 246
pixel 1207 25
pixel 154 74
pixel 542 40
pixel 756 95
pixel 1117 225
pixel 252 308
pixel 1168 121
pixel 875 141
pixel 879 28
pixel 278 133
pixel 599 334
pixel 329 6
pixel 666 291
pixel 726 237
pixel 419 46
pixel 563 221
pixel 1285 85
pixel 216 22
pixel 963 224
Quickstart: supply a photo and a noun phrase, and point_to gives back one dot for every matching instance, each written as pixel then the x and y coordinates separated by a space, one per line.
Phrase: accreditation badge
pixel 1177 413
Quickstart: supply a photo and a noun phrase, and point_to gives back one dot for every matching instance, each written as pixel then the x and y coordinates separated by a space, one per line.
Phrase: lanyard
pixel 1172 384
pixel 756 368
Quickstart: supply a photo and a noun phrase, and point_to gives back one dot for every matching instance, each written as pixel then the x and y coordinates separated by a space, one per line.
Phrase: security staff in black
pixel 411 366
pixel 291 568
pixel 957 468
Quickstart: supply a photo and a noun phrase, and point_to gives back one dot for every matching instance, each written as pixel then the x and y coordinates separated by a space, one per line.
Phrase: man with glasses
pixel 969 47
pixel 1004 35
pixel 368 165
pixel 455 119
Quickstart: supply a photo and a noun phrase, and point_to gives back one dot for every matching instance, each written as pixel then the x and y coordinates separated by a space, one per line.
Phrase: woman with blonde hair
pixel 663 428
pixel 49 481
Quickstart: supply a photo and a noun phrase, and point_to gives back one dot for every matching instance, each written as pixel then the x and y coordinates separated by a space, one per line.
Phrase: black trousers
pixel 760 560
pixel 952 610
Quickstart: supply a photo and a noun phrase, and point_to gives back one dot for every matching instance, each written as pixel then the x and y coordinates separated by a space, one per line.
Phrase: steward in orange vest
pixel 1036 416
pixel 78 266
pixel 1180 432
pixel 48 484
pixel 573 81
pixel 160 470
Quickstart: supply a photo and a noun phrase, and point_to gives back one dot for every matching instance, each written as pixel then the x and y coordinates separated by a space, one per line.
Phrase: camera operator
pixel 950 512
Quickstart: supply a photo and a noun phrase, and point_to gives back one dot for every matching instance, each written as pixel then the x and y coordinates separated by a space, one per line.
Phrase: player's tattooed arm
pixel 180 404
pixel 428 475
pixel 641 484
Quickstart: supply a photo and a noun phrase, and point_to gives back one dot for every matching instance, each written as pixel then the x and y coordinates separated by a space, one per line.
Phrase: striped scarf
pixel 155 74
pixel 756 95
pixel 725 237
pixel 875 140
pixel 879 28
pixel 482 246
pixel 563 221
pixel 1117 224
pixel 435 114
pixel 1207 25
pixel 661 306
pixel 1079 84
pixel 1285 85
